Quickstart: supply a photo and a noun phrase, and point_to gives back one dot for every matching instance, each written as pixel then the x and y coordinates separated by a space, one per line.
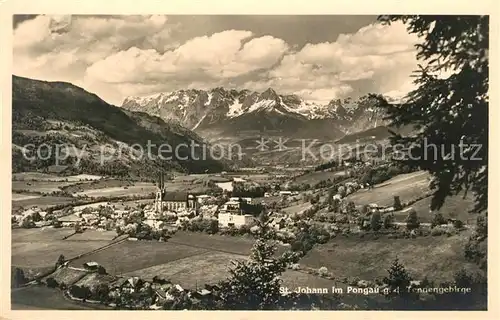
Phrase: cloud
pixel 221 55
pixel 117 56
pixel 377 58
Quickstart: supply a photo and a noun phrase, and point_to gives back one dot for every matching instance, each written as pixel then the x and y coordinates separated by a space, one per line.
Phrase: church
pixel 173 201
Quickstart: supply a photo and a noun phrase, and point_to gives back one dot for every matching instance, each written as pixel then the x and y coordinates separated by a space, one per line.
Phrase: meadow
pixel 94 235
pixel 438 258
pixel 33 248
pixel 455 207
pixel 138 189
pixel 39 176
pixel 41 202
pixel 40 234
pixel 133 255
pixel 314 177
pixel 40 186
pixel 406 186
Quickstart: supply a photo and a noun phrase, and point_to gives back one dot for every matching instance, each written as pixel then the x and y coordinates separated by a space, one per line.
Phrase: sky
pixel 319 58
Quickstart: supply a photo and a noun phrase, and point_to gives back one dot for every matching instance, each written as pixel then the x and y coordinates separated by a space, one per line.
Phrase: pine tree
pixel 376 221
pixel 398 280
pixel 452 112
pixel 397 203
pixel 255 284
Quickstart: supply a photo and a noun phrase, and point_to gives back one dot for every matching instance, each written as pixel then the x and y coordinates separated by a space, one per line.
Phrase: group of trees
pixel 383 173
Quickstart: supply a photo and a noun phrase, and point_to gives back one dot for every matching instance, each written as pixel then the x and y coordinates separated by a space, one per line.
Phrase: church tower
pixel 159 193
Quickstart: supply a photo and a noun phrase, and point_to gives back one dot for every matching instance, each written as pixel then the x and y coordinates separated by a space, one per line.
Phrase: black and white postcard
pixel 185 160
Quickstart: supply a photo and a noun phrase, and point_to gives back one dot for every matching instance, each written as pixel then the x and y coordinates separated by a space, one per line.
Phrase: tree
pixel 18 277
pixel 449 113
pixel 60 261
pixel 398 280
pixel 412 221
pixel 388 221
pixel 397 203
pixel 101 270
pixel 51 283
pixel 437 220
pixel 78 227
pixel 255 284
pixel 27 223
pixel 101 292
pixel 376 221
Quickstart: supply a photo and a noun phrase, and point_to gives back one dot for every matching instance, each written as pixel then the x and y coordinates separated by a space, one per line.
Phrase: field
pixel 133 255
pixel 40 186
pixel 406 186
pixel 94 235
pixel 438 258
pixel 41 202
pixel 212 267
pixel 40 234
pixel 297 208
pixel 41 254
pixel 140 188
pixel 239 245
pixel 21 196
pixel 455 207
pixel 207 267
pixel 42 297
pixel 38 176
pixel 315 177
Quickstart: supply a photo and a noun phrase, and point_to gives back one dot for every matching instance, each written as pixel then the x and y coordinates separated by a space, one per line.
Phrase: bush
pixel 458 224
pixel 436 231
pixel 412 221
pixel 51 282
pixel 437 220
pixel 388 221
pixel 323 271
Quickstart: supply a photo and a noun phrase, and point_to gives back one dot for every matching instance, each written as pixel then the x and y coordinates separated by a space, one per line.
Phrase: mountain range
pixel 221 112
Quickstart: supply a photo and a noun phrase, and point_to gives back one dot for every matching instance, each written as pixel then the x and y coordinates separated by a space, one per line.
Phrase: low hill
pixel 102 138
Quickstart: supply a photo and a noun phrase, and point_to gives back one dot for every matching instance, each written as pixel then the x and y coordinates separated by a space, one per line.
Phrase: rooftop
pixel 175 196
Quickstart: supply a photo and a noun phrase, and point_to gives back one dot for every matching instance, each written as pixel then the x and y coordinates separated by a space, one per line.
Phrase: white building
pixel 236 214
pixel 248 200
pixel 229 219
pixel 153 223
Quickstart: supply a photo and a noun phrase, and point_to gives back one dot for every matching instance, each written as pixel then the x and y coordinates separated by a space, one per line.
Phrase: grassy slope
pixel 435 257
pixel 406 186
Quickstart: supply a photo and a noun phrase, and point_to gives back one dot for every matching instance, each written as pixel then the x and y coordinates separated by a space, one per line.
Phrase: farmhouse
pixel 92 265
pixel 70 220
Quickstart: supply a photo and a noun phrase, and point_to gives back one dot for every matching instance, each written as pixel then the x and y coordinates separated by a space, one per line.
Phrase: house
pixel 202 198
pixel 92 265
pixel 285 193
pixel 70 220
pixel 89 217
pixel 247 199
pixel 267 195
pixel 237 213
pixel 153 223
